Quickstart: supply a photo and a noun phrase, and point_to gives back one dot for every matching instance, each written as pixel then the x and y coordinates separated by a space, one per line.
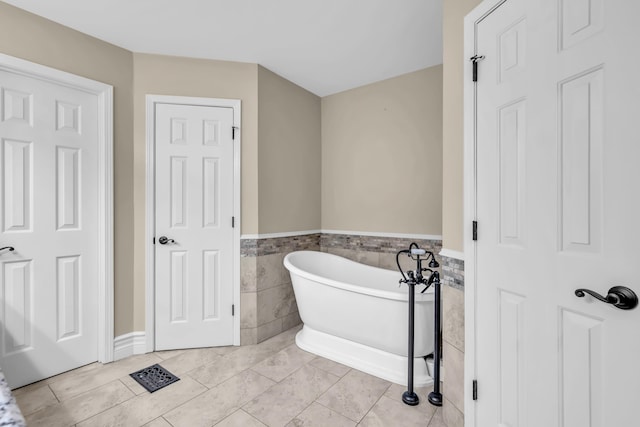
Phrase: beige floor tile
pixel 217 403
pixel 232 364
pixel 190 360
pixel 387 412
pixel 133 385
pixel 158 422
pixel 281 340
pixel 354 394
pixel 167 354
pixel 438 419
pixel 240 419
pixel 73 385
pixel 330 366
pixel 82 406
pixel 395 392
pixel 35 398
pixel 317 415
pixel 282 402
pixel 283 363
pixel 147 407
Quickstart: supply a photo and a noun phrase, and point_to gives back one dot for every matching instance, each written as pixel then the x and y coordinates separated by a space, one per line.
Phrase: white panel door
pixel 48 182
pixel 558 208
pixel 194 208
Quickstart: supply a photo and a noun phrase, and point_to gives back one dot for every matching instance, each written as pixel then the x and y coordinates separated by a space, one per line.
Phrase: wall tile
pixel 248 310
pixel 269 330
pixel 248 336
pixel 452 415
pixel 291 320
pixel 275 303
pixel 453 384
pixel 453 316
pixel 270 271
pixel 248 274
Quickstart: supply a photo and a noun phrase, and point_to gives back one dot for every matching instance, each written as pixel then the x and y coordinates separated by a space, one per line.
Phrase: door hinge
pixel 475 230
pixel 233 222
pixel 474 60
pixel 154 240
pixel 475 389
pixel 233 309
pixel 233 131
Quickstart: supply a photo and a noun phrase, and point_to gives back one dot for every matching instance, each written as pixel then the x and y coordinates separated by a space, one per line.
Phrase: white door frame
pixel 470 203
pixel 104 93
pixel 151 101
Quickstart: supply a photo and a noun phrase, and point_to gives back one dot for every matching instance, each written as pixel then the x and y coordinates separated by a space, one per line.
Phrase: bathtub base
pixel 382 364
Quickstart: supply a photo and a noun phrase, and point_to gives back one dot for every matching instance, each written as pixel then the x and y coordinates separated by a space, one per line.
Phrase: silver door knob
pixel 163 240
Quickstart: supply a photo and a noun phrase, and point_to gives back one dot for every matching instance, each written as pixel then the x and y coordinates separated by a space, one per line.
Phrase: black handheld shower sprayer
pixel 417 278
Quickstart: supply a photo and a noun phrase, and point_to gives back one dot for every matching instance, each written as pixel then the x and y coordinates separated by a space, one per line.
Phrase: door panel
pixel 49 138
pixel 557 209
pixel 194 208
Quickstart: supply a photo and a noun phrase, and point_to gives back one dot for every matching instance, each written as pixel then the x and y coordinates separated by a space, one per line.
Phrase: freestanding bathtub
pixel 356 315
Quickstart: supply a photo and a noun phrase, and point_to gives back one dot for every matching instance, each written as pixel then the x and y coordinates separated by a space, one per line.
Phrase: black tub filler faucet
pixel 413 278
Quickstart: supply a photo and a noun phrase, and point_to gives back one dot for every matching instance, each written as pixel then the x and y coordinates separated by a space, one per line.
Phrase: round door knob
pixel 163 240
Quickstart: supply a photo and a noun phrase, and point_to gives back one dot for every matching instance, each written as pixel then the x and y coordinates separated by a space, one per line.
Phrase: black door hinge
pixel 474 60
pixel 233 132
pixel 233 222
pixel 233 309
pixel 475 230
pixel 154 240
pixel 475 389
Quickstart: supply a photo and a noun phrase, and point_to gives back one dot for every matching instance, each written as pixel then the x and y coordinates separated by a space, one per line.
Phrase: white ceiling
pixel 325 46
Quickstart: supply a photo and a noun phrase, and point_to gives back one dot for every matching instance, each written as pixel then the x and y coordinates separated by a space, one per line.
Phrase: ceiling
pixel 325 46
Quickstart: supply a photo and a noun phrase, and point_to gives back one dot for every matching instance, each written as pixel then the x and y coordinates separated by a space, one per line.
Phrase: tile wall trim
pixel 452 271
pixel 345 232
pixel 278 235
pixel 450 253
pixel 383 234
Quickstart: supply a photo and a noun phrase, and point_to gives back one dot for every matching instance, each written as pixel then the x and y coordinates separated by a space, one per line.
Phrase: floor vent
pixel 154 378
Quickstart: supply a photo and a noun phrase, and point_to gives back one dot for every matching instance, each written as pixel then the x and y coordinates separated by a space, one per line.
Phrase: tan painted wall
pixel 382 156
pixel 35 39
pixel 454 12
pixel 168 75
pixel 288 155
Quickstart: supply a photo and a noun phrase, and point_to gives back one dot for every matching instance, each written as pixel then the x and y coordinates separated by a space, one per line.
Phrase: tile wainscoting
pixel 267 303
pixel 453 337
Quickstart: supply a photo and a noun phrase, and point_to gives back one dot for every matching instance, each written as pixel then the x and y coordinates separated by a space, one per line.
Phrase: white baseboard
pixel 129 344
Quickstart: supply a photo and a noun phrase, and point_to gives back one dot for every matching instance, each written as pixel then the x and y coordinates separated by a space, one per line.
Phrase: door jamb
pixel 151 101
pixel 105 266
pixel 471 21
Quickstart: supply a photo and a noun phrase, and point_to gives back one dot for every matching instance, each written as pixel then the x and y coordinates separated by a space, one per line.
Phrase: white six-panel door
pixel 558 203
pixel 48 291
pixel 194 209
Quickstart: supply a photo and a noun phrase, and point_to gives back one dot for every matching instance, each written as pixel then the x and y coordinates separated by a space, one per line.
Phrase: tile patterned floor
pixel 271 384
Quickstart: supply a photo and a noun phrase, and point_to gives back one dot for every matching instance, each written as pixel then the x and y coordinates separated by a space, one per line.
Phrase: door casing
pixel 151 101
pixel 105 273
pixel 470 203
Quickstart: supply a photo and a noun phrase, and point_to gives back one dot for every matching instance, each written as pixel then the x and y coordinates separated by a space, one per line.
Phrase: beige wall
pixel 168 75
pixel 35 39
pixel 454 12
pixel 288 155
pixel 382 156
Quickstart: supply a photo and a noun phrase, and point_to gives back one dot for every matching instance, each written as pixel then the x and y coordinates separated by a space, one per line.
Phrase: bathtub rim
pixel 427 296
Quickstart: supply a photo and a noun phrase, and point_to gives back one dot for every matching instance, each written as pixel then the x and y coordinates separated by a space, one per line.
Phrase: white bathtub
pixel 356 315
